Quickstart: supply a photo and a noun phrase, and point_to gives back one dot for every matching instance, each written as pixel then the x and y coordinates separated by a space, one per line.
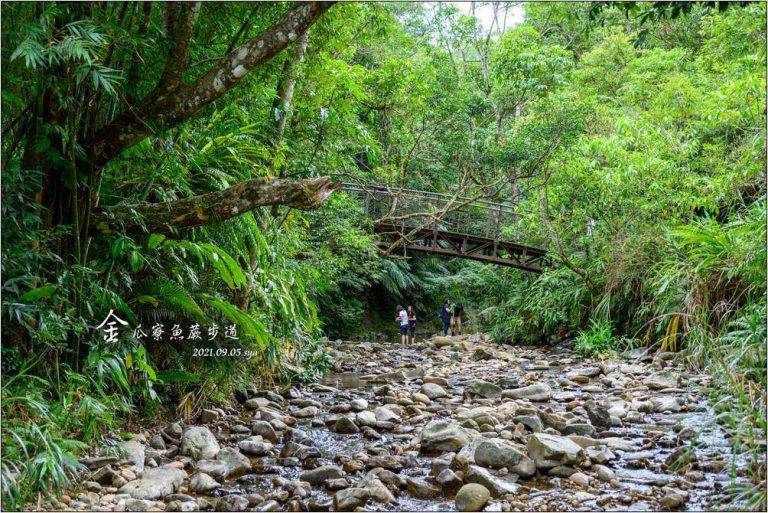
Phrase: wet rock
pixel 138 505
pixel 433 391
pixel 387 461
pixel 442 436
pixel 442 341
pixel 472 497
pixel 320 475
pixel 533 423
pixel 580 479
pixel 265 430
pixel 350 499
pixel 499 454
pixel 346 426
pixel 133 452
pixel 202 483
pixel 421 489
pixel 182 506
pixel 537 392
pixel 589 372
pixel 155 483
pixel 482 354
pixel 199 443
pixel 666 404
pixel 604 473
pixel 256 403
pixel 358 404
pixel 421 398
pixel 235 463
pixel 441 463
pixel 299 451
pixel 449 481
pixel 255 446
pixel 232 503
pixel 157 442
pixel 104 475
pixel 551 450
pixel 498 485
pixel 672 499
pixel 661 380
pixel 208 416
pixel 384 414
pixel 366 418
pixel 482 389
pixel 97 462
pixel 598 416
pixel 580 429
pixel 600 454
pixel 437 380
pixel 561 471
pixel 308 411
pixel 553 421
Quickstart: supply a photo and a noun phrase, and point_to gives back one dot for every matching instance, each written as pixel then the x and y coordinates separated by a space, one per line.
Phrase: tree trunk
pixel 217 206
pixel 282 106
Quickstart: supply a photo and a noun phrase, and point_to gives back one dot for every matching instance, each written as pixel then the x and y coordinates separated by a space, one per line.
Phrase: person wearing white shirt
pixel 402 316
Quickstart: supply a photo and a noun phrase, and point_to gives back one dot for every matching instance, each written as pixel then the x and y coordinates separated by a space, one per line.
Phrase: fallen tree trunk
pixel 216 206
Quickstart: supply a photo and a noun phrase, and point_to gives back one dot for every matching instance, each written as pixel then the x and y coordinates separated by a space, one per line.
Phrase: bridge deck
pixel 474 230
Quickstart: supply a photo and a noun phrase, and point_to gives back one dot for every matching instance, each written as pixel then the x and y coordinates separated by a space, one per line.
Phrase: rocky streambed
pixel 449 423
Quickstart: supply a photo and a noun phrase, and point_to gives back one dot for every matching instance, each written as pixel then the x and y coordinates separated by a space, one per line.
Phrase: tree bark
pixel 282 106
pixel 217 206
pixel 164 108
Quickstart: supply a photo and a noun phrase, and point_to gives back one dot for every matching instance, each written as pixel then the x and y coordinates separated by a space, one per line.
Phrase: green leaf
pixel 38 293
pixel 155 240
pixel 148 299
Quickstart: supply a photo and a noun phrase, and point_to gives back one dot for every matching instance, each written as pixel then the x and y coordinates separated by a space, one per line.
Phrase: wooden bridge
pixel 407 220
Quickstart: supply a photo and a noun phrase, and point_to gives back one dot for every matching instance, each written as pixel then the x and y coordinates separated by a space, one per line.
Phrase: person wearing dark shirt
pixel 458 309
pixel 445 315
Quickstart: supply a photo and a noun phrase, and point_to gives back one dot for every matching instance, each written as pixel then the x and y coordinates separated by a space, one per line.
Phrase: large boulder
pixel 155 483
pixel 443 436
pixel 500 454
pixel 235 463
pixel 133 452
pixel 472 497
pixel 482 389
pixel 662 379
pixel 535 392
pixel 551 450
pixel 199 443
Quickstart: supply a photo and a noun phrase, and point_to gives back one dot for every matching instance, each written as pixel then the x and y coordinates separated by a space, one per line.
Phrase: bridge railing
pixel 407 209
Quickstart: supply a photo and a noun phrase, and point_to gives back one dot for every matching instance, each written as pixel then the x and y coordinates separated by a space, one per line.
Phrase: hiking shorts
pixel 403 329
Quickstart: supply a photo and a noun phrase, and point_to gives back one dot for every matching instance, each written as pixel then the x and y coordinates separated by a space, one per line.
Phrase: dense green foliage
pixel 632 143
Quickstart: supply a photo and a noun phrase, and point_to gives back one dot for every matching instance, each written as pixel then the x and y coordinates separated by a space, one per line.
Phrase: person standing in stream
pixel 458 309
pixel 411 325
pixel 445 315
pixel 402 316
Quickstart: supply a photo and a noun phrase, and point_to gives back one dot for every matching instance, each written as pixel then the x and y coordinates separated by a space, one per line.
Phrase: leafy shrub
pixel 597 340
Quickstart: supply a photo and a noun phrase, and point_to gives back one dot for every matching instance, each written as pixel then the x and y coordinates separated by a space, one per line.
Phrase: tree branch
pixel 161 110
pixel 216 206
pixel 182 17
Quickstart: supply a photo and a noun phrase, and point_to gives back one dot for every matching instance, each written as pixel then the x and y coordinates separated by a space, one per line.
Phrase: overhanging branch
pixel 216 206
